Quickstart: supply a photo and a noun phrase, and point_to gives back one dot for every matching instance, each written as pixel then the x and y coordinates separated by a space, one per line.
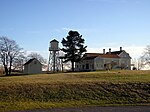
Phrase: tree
pixel 19 62
pixel 9 51
pixel 138 63
pixel 73 47
pixel 38 57
pixel 146 56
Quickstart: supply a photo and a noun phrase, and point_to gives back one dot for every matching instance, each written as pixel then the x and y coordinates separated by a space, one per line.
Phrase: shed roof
pixel 28 62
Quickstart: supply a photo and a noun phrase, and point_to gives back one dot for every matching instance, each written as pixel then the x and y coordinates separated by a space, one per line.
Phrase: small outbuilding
pixel 33 66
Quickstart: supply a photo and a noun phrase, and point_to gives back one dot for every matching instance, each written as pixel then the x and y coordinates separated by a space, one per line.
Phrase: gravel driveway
pixel 95 109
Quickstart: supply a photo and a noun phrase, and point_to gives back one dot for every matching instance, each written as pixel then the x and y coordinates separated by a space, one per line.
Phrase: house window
pixel 87 66
pixel 83 66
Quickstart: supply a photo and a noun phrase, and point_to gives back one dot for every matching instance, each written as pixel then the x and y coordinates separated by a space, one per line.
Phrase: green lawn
pixel 75 89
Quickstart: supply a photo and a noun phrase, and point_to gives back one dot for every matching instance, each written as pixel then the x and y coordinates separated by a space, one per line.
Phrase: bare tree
pixel 19 62
pixel 146 56
pixel 37 56
pixel 138 63
pixel 9 51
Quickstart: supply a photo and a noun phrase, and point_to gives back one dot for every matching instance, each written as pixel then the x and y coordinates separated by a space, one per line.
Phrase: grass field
pixel 100 88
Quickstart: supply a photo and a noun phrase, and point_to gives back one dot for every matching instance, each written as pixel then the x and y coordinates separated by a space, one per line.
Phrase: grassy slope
pixel 75 89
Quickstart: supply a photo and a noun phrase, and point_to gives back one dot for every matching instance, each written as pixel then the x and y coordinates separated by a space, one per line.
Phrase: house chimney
pixel 120 48
pixel 109 51
pixel 103 51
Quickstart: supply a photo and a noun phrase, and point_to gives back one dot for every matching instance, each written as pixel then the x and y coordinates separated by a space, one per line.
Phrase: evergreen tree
pixel 73 47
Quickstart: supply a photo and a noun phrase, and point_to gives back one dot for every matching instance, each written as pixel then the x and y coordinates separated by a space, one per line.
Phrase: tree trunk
pixel 9 72
pixel 6 71
pixel 72 66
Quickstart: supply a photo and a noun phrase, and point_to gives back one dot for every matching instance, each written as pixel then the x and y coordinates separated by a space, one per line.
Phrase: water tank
pixel 54 45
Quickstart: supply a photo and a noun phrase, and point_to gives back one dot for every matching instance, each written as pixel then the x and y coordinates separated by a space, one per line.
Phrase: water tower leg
pixel 49 62
pixel 54 61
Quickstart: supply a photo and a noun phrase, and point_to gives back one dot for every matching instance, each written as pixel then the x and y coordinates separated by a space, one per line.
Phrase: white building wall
pixel 125 60
pixel 26 69
pixel 98 63
pixel 84 65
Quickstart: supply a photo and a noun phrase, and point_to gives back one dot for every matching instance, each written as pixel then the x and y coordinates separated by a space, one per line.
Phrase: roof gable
pixel 124 55
pixel 121 54
pixel 28 62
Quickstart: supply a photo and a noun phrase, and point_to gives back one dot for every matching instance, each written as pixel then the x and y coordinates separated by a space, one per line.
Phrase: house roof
pixel 113 54
pixel 91 54
pixel 116 52
pixel 88 56
pixel 28 62
pixel 109 56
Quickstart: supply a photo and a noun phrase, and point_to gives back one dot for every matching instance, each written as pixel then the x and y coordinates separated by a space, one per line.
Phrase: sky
pixel 102 23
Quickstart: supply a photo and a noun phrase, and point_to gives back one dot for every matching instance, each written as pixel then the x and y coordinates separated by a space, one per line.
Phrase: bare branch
pixel 9 50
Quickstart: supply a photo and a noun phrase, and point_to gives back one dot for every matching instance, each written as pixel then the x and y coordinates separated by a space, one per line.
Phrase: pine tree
pixel 73 47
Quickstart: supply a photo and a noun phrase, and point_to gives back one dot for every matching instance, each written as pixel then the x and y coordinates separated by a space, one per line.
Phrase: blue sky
pixel 103 23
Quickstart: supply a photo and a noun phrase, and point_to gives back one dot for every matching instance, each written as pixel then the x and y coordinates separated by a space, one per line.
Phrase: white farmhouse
pixel 33 66
pixel 102 61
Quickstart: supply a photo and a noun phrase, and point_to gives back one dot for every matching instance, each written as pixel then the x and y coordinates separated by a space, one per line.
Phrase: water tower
pixel 54 61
